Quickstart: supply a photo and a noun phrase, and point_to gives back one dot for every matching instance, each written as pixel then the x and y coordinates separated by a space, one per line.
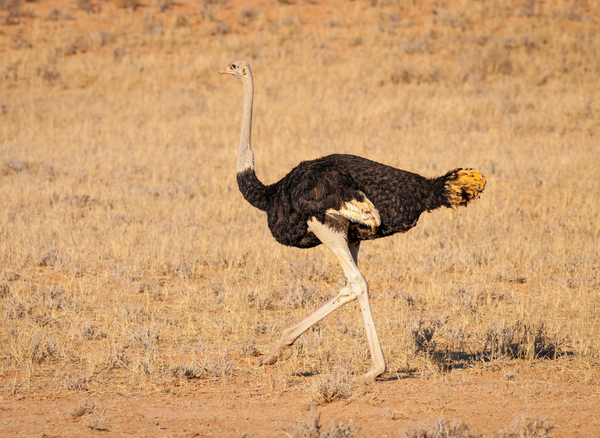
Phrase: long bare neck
pixel 245 160
pixel 253 190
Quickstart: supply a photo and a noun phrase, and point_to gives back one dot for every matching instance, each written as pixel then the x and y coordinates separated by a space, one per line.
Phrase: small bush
pixel 75 383
pixel 87 6
pixel 312 428
pixel 423 333
pixel 162 5
pixel 56 15
pixel 220 28
pixel 144 337
pixel 211 367
pixel 441 429
pixel 247 14
pixel 327 388
pixel 519 341
pixel 53 299
pixel 91 332
pixel 85 408
pixel 131 5
pixel 4 290
pixel 13 7
pixel 181 21
pixel 248 348
pixel 31 347
pixel 96 423
pixel 528 427
pixel 535 427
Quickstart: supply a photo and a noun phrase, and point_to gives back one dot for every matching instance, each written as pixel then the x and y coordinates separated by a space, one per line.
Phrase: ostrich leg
pixel 334 237
pixel 289 335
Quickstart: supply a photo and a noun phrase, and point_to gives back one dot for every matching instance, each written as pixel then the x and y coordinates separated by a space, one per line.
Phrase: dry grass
pixel 130 261
pixel 93 416
pixel 312 428
pixel 526 427
pixel 332 386
pixel 442 429
pixel 86 407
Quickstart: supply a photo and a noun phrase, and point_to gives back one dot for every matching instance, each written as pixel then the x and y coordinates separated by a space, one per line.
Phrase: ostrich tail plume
pixel 462 186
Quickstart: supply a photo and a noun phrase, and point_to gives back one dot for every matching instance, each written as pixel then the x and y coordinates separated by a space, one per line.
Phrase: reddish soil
pixel 486 403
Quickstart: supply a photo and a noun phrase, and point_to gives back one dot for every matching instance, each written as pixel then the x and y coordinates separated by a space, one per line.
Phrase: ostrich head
pixel 239 69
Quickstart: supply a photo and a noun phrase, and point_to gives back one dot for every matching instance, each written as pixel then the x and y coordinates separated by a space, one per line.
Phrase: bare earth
pixel 485 402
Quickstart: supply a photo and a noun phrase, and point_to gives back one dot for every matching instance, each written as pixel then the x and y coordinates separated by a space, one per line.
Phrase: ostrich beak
pixel 226 71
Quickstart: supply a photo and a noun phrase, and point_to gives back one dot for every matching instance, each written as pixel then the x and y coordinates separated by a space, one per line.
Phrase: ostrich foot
pixel 282 352
pixel 374 372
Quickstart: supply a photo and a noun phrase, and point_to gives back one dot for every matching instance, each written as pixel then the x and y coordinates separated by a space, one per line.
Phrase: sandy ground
pixel 486 403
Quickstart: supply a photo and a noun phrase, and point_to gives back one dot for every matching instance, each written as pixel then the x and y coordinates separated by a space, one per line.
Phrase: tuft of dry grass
pixel 94 417
pixel 312 428
pixel 86 407
pixel 520 341
pixel 14 11
pixel 330 387
pixel 247 14
pixel 441 428
pixel 213 366
pixel 77 382
pixel 181 21
pixel 88 6
pixel 96 423
pixel 526 427
pixel 162 5
pixel 130 5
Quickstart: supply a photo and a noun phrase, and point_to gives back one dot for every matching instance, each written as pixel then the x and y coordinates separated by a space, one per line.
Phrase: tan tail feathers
pixel 463 185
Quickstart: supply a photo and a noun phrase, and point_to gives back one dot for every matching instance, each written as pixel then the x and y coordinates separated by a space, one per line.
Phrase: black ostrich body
pixel 327 183
pixel 340 200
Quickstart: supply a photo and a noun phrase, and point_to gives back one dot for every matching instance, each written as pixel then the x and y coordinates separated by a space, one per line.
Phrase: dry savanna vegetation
pixel 138 290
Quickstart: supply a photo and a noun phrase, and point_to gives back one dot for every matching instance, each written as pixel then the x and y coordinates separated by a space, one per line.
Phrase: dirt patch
pixel 486 403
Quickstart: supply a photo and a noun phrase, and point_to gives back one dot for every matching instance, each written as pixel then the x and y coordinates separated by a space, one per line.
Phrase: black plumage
pixel 327 183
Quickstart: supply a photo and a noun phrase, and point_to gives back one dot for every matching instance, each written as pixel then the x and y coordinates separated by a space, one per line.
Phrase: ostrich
pixel 339 201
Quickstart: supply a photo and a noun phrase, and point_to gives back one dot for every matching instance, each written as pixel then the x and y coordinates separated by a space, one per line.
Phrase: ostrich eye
pixel 233 66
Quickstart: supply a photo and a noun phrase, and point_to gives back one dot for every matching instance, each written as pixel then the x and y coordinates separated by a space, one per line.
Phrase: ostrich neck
pixel 245 159
pixel 253 190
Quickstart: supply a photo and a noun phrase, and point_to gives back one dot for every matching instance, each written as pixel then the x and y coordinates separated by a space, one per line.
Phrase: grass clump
pixel 247 15
pixel 441 428
pixel 527 427
pixel 327 388
pixel 520 341
pixel 130 5
pixel 213 366
pixel 312 428
pixel 94 417
pixel 86 407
